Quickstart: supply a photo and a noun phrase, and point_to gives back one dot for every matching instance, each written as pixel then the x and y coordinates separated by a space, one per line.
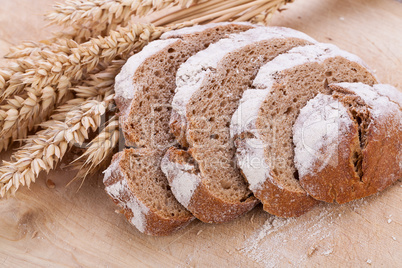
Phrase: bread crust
pixel 282 203
pixel 203 204
pixel 340 182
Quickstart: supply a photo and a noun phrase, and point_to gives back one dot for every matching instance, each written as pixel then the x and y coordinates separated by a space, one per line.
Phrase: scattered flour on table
pixel 270 245
pixel 327 252
pixel 293 241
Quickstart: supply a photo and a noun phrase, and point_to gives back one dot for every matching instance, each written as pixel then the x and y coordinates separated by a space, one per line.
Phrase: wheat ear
pixel 68 125
pixel 90 18
pixel 47 86
pixel 47 147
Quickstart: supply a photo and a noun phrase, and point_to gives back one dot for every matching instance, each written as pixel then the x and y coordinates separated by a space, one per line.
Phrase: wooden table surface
pixel 66 227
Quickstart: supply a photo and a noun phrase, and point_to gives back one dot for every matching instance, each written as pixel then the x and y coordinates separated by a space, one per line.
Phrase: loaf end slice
pixel 146 201
pixel 353 160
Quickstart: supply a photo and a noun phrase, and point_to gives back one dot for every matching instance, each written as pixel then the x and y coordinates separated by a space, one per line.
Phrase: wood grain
pixel 63 227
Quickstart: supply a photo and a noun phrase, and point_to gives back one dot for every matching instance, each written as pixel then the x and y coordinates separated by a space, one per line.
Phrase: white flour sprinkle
pixel 266 246
pixel 327 252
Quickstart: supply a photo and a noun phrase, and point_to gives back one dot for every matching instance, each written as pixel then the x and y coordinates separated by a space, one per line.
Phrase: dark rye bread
pixel 147 82
pixel 144 90
pixel 210 85
pixel 262 125
pixel 348 145
pixel 147 204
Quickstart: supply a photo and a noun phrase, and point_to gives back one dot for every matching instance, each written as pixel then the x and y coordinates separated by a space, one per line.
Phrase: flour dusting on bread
pixel 191 74
pixel 138 209
pixel 200 28
pixel 184 182
pixel 389 91
pixel 250 153
pixel 299 56
pixel 317 132
pixel 119 189
pixel 243 120
pixel 380 106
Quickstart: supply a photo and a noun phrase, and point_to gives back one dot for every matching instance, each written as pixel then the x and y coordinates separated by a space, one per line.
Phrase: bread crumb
pixel 389 221
pixel 394 238
pixel 369 261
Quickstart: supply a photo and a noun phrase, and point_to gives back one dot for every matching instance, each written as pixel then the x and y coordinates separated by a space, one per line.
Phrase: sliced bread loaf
pixel 145 86
pixel 144 90
pixel 262 125
pixel 147 203
pixel 209 86
pixel 348 145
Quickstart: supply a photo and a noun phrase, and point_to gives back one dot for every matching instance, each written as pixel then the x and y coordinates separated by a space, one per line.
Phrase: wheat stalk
pixel 90 18
pixel 258 11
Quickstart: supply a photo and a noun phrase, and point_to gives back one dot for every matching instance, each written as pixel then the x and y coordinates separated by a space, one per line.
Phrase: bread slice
pixel 262 125
pixel 147 203
pixel 348 145
pixel 145 86
pixel 209 86
pixel 144 90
